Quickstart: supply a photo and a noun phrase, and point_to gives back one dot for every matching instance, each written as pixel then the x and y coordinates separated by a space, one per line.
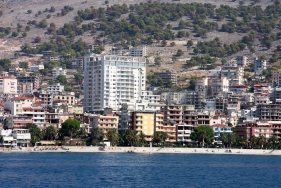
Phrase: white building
pixel 58 71
pixel 139 51
pixel 220 129
pixel 259 65
pixel 184 132
pixel 202 86
pixel 8 85
pixel 36 68
pixel 112 80
pixel 148 96
pixel 242 61
pixel 233 73
pixel 55 88
pixel 174 97
pixel 16 104
pixel 77 64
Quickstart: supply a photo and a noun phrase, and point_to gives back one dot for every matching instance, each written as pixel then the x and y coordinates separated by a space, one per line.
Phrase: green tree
pixel 67 88
pixel 24 34
pixel 272 141
pixel 253 141
pixel 37 39
pixel 98 50
pixel 164 43
pixel 78 78
pixel 112 136
pixel 35 132
pixel 142 138
pixel 159 137
pixel 15 34
pixel 261 141
pixel 97 134
pixel 23 65
pixel 52 9
pixel 27 28
pixel 5 64
pixel 157 61
pixel 189 43
pixel 50 133
pixel 131 137
pixel 61 79
pixel 228 139
pixel 69 128
pixel 192 83
pixel 203 134
pixel 29 11
pixel 179 53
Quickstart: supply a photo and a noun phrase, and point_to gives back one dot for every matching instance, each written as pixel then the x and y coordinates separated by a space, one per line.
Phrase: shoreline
pixel 146 150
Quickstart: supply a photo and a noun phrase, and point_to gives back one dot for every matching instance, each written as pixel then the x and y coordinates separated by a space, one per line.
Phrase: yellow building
pixel 105 123
pixel 147 123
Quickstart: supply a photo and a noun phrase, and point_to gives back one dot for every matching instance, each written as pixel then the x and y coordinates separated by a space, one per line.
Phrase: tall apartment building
pixel 276 77
pixel 217 86
pixel 233 73
pixel 8 85
pixel 259 65
pixel 77 64
pixel 202 86
pixel 104 122
pixel 242 61
pixel 29 79
pixel 269 112
pixel 147 123
pixel 112 80
pixel 58 71
pixel 261 93
pixel 173 115
pixel 173 97
pixel 167 77
pixel 139 51
pixel 195 98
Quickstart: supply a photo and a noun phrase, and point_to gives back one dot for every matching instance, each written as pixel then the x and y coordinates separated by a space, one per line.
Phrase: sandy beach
pixel 148 150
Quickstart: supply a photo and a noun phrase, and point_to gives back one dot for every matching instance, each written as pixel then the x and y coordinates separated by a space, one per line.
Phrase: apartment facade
pixel 104 122
pixel 58 71
pixel 8 85
pixel 147 123
pixel 111 80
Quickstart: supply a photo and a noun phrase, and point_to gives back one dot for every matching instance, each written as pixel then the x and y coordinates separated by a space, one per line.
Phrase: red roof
pixel 32 108
pixel 21 98
pixel 260 85
pixel 38 102
pixel 5 77
pixel 220 125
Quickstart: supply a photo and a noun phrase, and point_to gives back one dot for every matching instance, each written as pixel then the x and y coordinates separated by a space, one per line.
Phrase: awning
pixel 47 142
pixel 8 138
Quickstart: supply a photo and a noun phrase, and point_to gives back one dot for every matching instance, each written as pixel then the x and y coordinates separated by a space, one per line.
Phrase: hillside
pixel 219 28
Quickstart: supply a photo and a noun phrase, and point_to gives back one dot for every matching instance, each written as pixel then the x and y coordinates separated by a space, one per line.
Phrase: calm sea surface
pixel 138 170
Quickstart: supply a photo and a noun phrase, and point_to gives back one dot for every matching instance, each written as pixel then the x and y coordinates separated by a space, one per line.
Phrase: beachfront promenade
pixel 153 150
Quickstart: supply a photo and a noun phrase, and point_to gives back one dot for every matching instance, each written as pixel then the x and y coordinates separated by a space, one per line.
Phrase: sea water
pixel 138 170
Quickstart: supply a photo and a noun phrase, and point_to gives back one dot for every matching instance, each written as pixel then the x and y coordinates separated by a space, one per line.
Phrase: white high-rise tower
pixel 110 80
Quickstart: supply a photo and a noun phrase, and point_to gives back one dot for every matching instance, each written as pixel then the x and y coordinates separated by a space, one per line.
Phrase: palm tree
pixel 142 138
pixel 223 139
pixel 156 137
pixel 261 140
pixel 112 136
pixel 273 141
pixel 50 133
pixel 231 138
pixel 253 141
pixel 164 137
pixel 97 134
pixel 131 136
